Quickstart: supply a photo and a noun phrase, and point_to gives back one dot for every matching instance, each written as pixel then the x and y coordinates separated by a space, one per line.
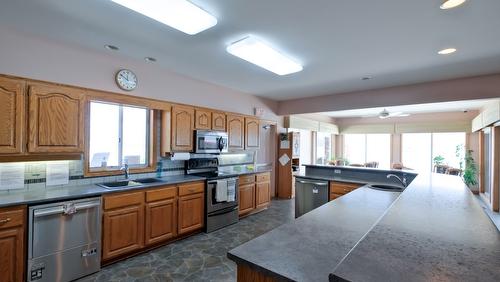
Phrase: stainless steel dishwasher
pixel 64 240
pixel 309 194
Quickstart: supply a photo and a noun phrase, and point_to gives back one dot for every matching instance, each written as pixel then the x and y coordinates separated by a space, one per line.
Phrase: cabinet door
pixel 219 121
pixel 262 194
pixel 182 128
pixel 161 221
pixel 252 133
pixel 203 120
pixel 191 212
pixel 235 131
pixel 55 119
pixel 246 198
pixel 123 231
pixel 12 255
pixel 11 115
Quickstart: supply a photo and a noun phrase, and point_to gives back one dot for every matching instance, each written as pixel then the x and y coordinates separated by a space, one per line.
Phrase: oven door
pixel 212 204
pixel 211 142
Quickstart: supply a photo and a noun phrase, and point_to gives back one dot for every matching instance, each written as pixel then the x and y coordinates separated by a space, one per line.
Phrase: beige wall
pixel 29 56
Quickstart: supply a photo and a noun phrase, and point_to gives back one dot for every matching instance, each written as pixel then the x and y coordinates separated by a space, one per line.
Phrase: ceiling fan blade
pixel 395 114
pixel 404 115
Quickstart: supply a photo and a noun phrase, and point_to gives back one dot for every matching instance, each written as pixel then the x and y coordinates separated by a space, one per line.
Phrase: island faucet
pixel 403 181
pixel 125 170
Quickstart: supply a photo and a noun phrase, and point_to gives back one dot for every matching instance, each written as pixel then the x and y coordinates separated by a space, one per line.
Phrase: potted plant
pixel 470 172
pixel 438 160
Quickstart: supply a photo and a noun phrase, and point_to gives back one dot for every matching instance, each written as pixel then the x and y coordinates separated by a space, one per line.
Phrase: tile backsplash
pixel 35 173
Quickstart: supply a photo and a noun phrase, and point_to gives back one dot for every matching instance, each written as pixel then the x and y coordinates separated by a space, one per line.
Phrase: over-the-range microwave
pixel 210 142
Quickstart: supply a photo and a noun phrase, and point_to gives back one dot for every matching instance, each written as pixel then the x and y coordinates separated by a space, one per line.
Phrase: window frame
pixel 151 134
pixel 365 137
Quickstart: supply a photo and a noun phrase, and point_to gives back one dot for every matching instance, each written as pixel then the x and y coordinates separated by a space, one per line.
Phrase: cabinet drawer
pixel 11 217
pixel 342 188
pixel 192 188
pixel 247 179
pixel 123 200
pixel 263 177
pixel 161 194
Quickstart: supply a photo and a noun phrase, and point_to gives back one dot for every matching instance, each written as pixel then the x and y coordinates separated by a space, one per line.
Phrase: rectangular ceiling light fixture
pixel 255 51
pixel 179 14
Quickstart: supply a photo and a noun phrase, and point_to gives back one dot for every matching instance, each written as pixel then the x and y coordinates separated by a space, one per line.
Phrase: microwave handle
pixel 220 143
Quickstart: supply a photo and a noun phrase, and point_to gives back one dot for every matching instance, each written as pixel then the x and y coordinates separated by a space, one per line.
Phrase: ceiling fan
pixel 386 114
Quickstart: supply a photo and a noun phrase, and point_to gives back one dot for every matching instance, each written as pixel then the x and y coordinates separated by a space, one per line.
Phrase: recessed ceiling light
pixel 257 52
pixel 366 78
pixel 111 47
pixel 447 51
pixel 450 4
pixel 179 14
pixel 150 59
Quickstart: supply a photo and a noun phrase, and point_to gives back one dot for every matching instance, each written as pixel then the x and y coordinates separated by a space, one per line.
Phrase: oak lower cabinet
pixel 123 224
pixel 161 215
pixel 263 190
pixel 12 115
pixel 246 200
pixel 338 189
pixel 182 128
pixel 55 119
pixel 191 207
pixel 12 242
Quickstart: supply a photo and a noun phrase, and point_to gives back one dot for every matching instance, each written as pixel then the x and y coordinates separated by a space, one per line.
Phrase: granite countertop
pixel 434 230
pixel 311 246
pixel 338 178
pixel 40 195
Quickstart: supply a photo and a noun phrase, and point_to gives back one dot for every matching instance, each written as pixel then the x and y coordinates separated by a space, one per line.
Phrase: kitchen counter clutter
pixel 433 230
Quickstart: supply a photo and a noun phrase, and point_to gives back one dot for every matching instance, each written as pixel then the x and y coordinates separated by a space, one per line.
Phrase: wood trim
pixel 495 193
pixel 127 100
pixel 248 274
pixel 39 157
pixel 481 162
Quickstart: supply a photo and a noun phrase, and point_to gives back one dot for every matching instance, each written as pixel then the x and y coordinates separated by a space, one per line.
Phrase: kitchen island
pixel 434 230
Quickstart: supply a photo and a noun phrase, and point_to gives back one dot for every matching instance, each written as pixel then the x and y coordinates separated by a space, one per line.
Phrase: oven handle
pixel 60 209
pixel 226 210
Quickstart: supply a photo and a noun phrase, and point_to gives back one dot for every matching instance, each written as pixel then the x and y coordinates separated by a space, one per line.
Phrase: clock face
pixel 126 80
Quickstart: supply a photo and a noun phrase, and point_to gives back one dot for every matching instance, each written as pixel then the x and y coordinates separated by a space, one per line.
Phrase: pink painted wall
pixel 33 57
pixel 442 91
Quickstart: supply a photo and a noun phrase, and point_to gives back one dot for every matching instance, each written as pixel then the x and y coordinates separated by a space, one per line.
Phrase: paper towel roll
pixel 180 156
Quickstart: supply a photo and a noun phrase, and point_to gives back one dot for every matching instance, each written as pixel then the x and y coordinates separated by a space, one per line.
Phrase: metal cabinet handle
pixel 3 221
pixel 60 209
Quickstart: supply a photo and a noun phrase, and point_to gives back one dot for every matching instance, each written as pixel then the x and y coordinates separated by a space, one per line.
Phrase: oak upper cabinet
pixel 182 128
pixel 263 190
pixel 236 132
pixel 161 214
pixel 191 207
pixel 11 115
pixel 218 121
pixel 123 224
pixel 12 236
pixel 203 119
pixel 252 133
pixel 55 119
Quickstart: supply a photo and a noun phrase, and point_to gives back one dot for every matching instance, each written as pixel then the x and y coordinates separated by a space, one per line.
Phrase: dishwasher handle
pixel 313 183
pixel 62 210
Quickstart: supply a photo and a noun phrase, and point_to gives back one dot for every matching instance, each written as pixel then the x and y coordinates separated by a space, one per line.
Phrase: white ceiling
pixel 337 41
pixel 415 109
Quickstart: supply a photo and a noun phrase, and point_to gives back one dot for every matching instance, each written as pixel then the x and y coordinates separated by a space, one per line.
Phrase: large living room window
pixel 360 149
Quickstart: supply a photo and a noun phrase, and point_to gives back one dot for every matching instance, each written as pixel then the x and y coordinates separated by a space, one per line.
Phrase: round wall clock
pixel 126 80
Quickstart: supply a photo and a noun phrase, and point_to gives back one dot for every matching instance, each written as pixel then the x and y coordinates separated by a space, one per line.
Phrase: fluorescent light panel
pixel 447 51
pixel 179 14
pixel 449 4
pixel 257 52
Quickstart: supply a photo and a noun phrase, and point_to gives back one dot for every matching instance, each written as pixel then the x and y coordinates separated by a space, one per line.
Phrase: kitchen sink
pixel 387 187
pixel 148 180
pixel 120 184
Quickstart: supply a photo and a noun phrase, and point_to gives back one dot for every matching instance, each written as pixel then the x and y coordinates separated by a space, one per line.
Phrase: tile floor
pixel 201 257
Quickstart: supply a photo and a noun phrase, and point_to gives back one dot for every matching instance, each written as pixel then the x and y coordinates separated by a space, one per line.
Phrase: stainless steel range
pixel 64 240
pixel 221 195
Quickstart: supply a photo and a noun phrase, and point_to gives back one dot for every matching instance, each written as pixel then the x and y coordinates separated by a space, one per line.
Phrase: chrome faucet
pixel 403 181
pixel 125 170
